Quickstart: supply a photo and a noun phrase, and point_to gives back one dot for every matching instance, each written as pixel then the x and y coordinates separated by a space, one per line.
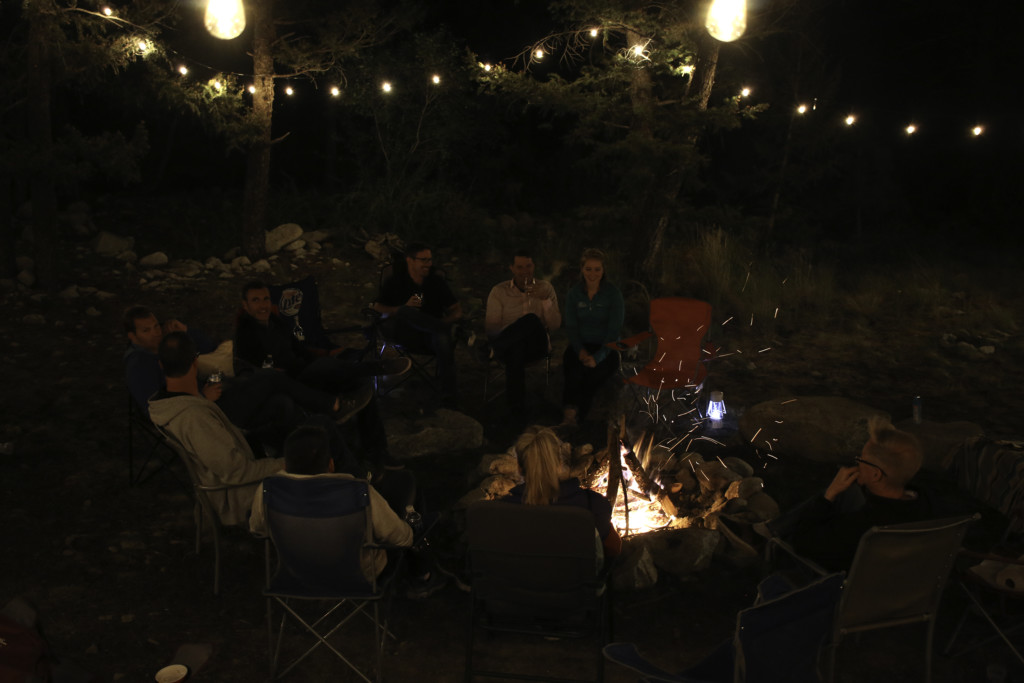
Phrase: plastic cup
pixel 175 673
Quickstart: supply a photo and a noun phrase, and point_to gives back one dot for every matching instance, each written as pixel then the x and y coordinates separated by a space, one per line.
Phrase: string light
pixel 183 70
pixel 386 86
pixel 289 91
pixel 745 92
pixel 217 85
pixel 911 129
pixel 727 19
pixel 335 91
pixel 225 19
pixel 251 89
pixel 802 109
pixel 593 33
pixel 144 46
pixel 108 12
pixel 977 130
pixel 638 50
pixel 435 79
pixel 487 66
pixel 850 120
pixel 687 69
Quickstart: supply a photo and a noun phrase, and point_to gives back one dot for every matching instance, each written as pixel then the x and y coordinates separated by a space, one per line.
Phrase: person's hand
pixel 212 391
pixel 174 325
pixel 844 479
pixel 587 359
pixel 415 301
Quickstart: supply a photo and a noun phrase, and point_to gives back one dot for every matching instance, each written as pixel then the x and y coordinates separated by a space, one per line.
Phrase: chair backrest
pixel 319 526
pixel 299 303
pixel 778 641
pixel 533 559
pixel 993 472
pixel 899 573
pixel 680 325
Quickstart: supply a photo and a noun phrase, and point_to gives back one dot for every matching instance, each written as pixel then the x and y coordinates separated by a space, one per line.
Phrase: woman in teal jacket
pixel 594 312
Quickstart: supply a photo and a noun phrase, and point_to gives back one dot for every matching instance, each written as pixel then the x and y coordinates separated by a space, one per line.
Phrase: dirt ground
pixel 119 588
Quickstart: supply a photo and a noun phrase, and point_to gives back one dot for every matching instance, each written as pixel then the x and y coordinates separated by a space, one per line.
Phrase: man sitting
pixel 264 403
pixel 218 449
pixel 520 314
pixel 263 338
pixel 828 528
pixel 421 313
pixel 307 455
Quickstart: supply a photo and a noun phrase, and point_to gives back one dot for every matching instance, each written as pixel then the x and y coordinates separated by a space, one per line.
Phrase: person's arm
pixel 493 315
pixel 223 452
pixel 392 297
pixel 616 317
pixel 388 528
pixel 550 313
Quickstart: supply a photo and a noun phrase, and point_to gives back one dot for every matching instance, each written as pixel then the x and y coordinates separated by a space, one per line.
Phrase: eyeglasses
pixel 871 464
pixel 425 259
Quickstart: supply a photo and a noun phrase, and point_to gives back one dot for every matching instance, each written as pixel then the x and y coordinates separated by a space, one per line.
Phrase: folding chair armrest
pixel 1004 559
pixel 224 487
pixel 776 542
pixel 628 342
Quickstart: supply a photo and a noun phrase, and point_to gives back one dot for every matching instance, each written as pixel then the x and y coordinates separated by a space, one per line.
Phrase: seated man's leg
pixel 443 347
pixel 573 370
pixel 523 341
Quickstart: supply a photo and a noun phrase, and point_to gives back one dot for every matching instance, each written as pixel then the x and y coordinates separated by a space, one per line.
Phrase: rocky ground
pixel 112 570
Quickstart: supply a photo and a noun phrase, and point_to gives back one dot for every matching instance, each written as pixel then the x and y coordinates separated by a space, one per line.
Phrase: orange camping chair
pixel 678 367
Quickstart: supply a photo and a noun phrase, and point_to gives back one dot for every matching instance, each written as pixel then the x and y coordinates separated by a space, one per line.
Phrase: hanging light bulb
pixel 225 19
pixel 727 19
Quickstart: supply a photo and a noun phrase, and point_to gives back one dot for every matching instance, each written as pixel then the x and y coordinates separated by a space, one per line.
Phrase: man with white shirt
pixel 520 314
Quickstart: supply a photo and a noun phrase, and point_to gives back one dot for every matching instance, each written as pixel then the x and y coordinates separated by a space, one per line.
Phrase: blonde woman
pixel 542 462
pixel 594 312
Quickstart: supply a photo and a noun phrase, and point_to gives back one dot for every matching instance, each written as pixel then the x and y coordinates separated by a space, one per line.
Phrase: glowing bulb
pixel 539 54
pixel 593 33
pixel 487 67
pixel 911 129
pixel 688 69
pixel 745 92
pixel 183 70
pixel 143 46
pixel 850 120
pixel 225 19
pixel 218 86
pixel 436 79
pixel 107 11
pixel 251 89
pixel 386 86
pixel 727 19
pixel 716 407
pixel 335 91
pixel 288 90
pixel 638 50
pixel 802 109
pixel 977 130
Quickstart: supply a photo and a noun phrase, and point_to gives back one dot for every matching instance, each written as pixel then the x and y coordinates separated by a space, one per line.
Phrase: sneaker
pixel 395 367
pixel 351 403
pixel 421 589
pixel 464 334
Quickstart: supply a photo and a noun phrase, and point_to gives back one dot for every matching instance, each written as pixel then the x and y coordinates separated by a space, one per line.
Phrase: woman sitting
pixel 546 481
pixel 594 311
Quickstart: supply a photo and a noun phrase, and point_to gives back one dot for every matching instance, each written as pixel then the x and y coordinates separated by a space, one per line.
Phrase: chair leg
pixel 985 615
pixel 928 650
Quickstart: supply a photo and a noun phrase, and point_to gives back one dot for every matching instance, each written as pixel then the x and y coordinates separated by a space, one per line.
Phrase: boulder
pixel 281 235
pixel 157 258
pixel 261 266
pixel 445 431
pixel 108 244
pixel 635 568
pixel 295 245
pixel 820 428
pixel 315 236
pixel 682 552
pixel 26 278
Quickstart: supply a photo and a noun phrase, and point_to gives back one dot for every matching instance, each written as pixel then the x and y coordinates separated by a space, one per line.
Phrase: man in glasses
pixel 872 491
pixel 422 313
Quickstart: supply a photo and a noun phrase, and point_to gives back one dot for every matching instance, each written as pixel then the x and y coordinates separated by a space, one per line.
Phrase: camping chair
pixel 204 512
pixel 159 455
pixel 674 376
pixel 897 577
pixel 777 641
pixel 319 527
pixel 299 302
pixel 424 363
pixel 535 571
pixel 993 473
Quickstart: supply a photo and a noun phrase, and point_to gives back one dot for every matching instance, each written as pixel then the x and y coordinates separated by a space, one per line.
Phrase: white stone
pixel 281 235
pixel 34 319
pixel 226 275
pixel 214 262
pixel 105 296
pixel 70 292
pixel 26 278
pixel 157 258
pixel 93 312
pixel 315 235
pixel 987 350
pixel 128 256
pixel 262 266
pixel 295 246
pixel 85 291
pixel 240 262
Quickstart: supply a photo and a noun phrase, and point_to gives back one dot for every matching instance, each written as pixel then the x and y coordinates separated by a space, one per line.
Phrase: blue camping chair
pixel 319 527
pixel 777 641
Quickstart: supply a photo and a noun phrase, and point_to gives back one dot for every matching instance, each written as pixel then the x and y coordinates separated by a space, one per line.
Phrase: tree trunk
pixel 43 194
pixel 257 172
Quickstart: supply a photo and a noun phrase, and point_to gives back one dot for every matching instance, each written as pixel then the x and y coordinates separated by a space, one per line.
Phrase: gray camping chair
pixel 535 571
pixel 897 577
